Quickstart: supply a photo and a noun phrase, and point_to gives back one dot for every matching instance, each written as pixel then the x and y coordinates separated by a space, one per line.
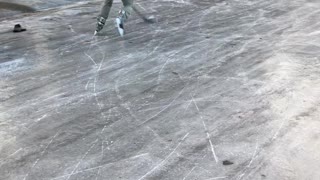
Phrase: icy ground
pixel 47 4
pixel 213 81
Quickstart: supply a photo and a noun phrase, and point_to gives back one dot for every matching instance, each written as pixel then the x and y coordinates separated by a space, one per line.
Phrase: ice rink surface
pixel 212 83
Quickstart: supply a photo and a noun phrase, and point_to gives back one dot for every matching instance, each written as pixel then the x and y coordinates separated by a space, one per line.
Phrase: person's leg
pixel 101 20
pixel 106 9
pixel 126 10
pixel 124 15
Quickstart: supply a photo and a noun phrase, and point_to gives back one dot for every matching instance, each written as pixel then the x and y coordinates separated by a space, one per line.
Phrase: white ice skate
pixel 119 25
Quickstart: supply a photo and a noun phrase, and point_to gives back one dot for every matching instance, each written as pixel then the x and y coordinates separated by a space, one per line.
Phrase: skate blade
pixel 95 33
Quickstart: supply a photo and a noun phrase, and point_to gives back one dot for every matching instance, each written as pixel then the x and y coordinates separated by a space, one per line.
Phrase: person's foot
pixel 120 22
pixel 100 24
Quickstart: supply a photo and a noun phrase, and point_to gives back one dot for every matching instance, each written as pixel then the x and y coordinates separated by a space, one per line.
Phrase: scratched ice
pixel 210 81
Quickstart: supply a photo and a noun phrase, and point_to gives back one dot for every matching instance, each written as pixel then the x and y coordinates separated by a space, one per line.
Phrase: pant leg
pixel 106 9
pixel 127 8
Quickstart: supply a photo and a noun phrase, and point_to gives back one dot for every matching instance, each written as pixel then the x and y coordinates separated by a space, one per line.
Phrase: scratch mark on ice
pixel 207 133
pixel 162 162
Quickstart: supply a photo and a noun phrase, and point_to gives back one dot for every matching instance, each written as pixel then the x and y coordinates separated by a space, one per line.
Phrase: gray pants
pixel 126 10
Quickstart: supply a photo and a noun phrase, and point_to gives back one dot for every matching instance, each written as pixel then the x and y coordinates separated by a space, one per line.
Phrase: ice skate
pixel 120 22
pixel 100 24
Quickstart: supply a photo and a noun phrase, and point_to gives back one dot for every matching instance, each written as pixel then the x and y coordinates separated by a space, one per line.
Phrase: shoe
pixel 100 24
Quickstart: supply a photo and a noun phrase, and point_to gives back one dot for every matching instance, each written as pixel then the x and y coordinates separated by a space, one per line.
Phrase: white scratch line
pixel 223 177
pixel 141 6
pixel 162 162
pixel 102 149
pixel 100 67
pixel 188 106
pixel 77 172
pixel 212 148
pixel 163 68
pixel 125 105
pixel 154 133
pixel 196 106
pixel 52 97
pixel 95 94
pixel 49 144
pixel 98 174
pixel 204 169
pixel 94 84
pixel 249 165
pixel 138 156
pixel 15 152
pixel 97 167
pixel 185 136
pixel 103 58
pixel 278 131
pixel 166 107
pixel 208 135
pixel 84 156
pixel 189 173
pixel 107 119
pixel 86 88
pixel 176 103
pixel 42 153
pixel 159 74
pixel 241 175
pixel 253 156
pixel 41 118
pixel 90 58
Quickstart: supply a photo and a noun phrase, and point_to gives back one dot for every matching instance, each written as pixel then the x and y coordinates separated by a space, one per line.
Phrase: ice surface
pixel 211 81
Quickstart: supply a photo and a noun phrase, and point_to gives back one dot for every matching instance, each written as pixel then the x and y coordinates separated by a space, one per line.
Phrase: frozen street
pixel 214 90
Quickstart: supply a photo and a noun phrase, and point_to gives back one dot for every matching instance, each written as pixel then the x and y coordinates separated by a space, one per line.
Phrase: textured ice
pixel 212 81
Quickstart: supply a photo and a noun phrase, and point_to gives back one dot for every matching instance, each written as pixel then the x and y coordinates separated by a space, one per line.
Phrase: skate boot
pixel 120 22
pixel 100 24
